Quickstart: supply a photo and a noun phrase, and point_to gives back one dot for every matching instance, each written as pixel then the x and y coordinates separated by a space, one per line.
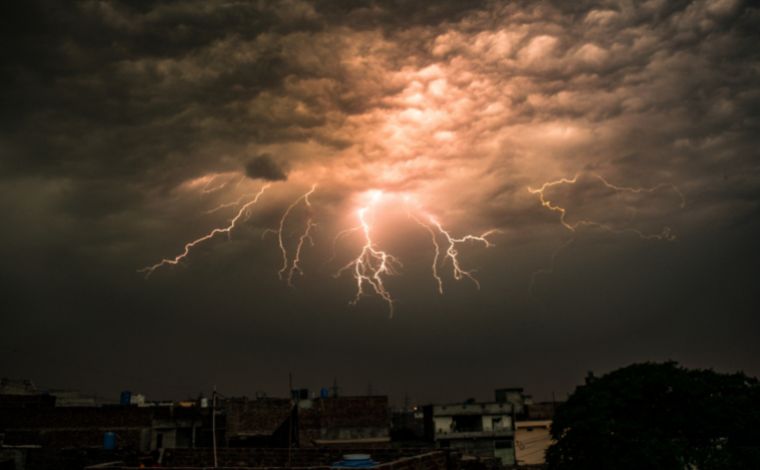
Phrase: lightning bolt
pixel 243 211
pixel 451 253
pixel 289 268
pixel 226 205
pixel 434 240
pixel 665 234
pixel 207 188
pixel 636 190
pixel 369 268
pixel 371 264
pixel 548 204
pixel 306 235
pixel 340 235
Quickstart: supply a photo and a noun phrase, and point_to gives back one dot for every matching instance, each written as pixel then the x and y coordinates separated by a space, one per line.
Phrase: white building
pixel 474 429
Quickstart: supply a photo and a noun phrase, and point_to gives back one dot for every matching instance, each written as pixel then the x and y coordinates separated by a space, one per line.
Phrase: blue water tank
pixel 324 393
pixel 355 461
pixel 109 440
pixel 126 398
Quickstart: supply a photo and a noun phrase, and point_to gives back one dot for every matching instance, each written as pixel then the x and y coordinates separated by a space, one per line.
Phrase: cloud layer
pixel 129 129
pixel 264 167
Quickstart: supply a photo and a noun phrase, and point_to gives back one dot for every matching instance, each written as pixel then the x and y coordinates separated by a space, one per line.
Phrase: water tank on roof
pixel 324 393
pixel 355 461
pixel 125 398
pixel 109 440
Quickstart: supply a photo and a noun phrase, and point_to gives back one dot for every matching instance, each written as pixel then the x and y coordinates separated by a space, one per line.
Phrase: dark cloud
pixel 127 129
pixel 264 167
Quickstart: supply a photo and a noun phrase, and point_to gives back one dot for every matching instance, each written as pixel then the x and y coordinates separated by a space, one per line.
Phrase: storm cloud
pixel 264 167
pixel 128 129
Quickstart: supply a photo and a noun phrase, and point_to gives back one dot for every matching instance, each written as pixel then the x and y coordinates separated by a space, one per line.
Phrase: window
pixel 502 444
pixel 468 423
pixel 501 423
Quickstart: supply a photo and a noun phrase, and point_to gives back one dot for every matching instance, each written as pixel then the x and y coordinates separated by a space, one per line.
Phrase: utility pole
pixel 292 413
pixel 213 426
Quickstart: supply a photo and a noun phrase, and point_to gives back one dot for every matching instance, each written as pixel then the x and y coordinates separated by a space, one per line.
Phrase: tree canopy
pixel 659 415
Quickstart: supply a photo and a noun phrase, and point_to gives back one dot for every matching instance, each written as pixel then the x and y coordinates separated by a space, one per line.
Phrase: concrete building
pixel 260 422
pixel 306 421
pixel 362 421
pixel 532 438
pixel 17 387
pixel 408 426
pixel 65 398
pixel 514 395
pixel 301 459
pixel 83 427
pixel 478 430
pixel 36 420
pixel 179 427
pixel 481 430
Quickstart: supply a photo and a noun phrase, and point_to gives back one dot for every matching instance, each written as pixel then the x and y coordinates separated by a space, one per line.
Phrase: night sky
pixel 128 129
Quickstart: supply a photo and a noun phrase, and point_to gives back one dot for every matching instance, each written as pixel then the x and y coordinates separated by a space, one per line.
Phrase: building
pixel 83 427
pixel 362 421
pixel 532 439
pixel 514 395
pixel 261 422
pixel 408 426
pixel 313 458
pixel 533 436
pixel 72 398
pixel 17 387
pixel 179 427
pixel 306 421
pixel 480 430
pixel 37 420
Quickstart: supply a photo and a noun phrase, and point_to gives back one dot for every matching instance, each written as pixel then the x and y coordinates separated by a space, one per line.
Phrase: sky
pixel 424 199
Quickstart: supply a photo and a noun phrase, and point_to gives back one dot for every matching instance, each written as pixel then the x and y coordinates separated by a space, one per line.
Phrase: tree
pixel 659 416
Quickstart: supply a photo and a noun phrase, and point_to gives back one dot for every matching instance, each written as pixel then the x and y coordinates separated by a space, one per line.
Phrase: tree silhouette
pixel 659 416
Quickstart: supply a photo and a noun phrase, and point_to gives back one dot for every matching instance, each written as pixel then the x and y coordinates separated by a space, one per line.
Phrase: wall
pixel 344 418
pixel 532 438
pixel 503 422
pixel 276 457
